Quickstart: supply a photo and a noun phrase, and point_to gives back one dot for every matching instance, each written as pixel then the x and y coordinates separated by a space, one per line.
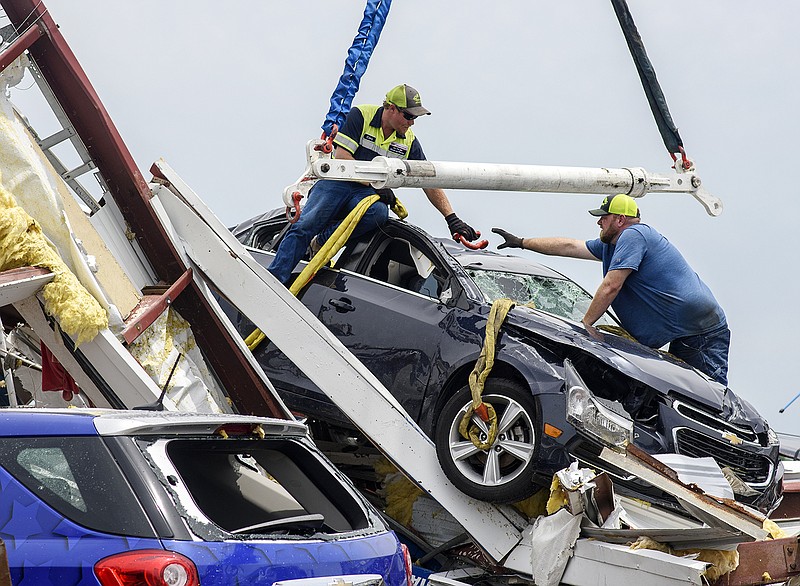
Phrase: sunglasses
pixel 407 115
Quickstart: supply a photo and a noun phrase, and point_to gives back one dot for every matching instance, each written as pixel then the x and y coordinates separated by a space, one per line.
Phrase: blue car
pixel 176 499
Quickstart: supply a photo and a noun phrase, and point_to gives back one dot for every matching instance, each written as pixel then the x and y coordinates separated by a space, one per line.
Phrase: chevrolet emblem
pixel 732 437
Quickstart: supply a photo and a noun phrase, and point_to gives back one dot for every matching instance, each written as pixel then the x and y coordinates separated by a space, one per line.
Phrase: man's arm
pixel 552 246
pixel 605 295
pixel 557 246
pixel 455 224
pixel 439 200
pixel 342 153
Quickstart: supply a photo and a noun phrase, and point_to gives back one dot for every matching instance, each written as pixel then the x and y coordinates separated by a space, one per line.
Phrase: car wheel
pixel 502 473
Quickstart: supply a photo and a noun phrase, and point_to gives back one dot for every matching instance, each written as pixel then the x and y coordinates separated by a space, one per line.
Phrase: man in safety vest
pixel 655 293
pixel 368 131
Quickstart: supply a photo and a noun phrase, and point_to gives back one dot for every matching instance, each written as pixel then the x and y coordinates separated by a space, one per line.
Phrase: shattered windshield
pixel 560 297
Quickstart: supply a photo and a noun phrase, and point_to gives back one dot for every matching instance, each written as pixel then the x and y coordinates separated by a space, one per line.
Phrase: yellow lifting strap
pixel 478 376
pixel 327 252
pixel 618 330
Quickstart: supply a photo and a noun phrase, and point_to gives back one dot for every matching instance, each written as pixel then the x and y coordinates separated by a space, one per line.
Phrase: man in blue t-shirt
pixel 655 293
pixel 368 131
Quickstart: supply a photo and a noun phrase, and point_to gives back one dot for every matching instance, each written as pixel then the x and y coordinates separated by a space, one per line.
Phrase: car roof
pixel 493 261
pixel 266 217
pixel 483 259
pixel 109 422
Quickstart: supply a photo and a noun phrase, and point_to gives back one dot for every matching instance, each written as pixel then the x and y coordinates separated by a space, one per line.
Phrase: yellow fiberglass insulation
pixel 722 562
pixel 534 506
pixel 558 496
pixel 23 244
pixel 399 492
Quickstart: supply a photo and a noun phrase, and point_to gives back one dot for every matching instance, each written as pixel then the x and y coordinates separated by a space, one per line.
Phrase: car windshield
pixel 560 297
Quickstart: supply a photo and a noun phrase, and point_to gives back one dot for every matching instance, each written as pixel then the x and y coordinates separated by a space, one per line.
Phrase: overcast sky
pixel 228 93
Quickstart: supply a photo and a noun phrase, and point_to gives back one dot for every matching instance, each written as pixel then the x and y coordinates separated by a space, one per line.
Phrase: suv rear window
pixel 78 477
pixel 247 486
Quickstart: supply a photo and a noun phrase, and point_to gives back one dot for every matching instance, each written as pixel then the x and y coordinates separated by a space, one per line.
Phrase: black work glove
pixel 458 226
pixel 511 241
pixel 387 196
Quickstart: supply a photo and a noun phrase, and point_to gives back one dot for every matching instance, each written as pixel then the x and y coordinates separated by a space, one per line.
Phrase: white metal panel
pixel 22 288
pixel 114 231
pixel 703 472
pixel 552 539
pixel 701 506
pixel 642 515
pixel 120 370
pixel 595 563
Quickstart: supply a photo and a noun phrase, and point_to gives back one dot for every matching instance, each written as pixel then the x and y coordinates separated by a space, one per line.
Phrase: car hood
pixel 663 373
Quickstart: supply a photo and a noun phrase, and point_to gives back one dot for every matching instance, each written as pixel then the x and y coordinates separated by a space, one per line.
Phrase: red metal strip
pixel 153 308
pixel 14 275
pixel 764 562
pixel 15 49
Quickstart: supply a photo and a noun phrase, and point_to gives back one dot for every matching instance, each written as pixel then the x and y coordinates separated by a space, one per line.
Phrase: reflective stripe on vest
pixel 346 142
pixel 373 140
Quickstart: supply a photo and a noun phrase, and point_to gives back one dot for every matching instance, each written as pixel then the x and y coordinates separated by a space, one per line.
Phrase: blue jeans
pixel 707 352
pixel 329 202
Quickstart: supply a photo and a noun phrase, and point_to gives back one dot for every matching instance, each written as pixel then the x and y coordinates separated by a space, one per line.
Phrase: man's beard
pixel 605 237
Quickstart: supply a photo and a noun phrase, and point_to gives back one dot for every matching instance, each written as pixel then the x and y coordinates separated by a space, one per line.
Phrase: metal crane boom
pixel 634 181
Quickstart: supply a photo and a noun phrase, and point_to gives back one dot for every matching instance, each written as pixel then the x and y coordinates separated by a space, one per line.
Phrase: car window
pixel 78 477
pixel 560 297
pixel 353 252
pixel 50 467
pixel 262 236
pixel 247 486
pixel 400 263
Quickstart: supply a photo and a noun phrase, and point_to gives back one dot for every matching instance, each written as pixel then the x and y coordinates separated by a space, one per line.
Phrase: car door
pixel 385 307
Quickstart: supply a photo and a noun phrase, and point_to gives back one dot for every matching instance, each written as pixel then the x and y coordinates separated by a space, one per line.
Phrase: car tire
pixel 503 473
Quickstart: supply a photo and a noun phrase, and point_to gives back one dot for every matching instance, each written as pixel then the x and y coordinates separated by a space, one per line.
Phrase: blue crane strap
pixel 356 63
pixel 655 97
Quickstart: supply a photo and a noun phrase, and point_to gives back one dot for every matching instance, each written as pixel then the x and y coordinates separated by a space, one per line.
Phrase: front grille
pixel 752 468
pixel 713 422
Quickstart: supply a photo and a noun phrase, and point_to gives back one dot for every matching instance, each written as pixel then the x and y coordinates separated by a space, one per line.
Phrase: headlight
pixel 594 415
pixel 772 437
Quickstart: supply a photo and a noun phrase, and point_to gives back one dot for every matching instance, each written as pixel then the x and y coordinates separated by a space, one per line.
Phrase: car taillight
pixel 407 560
pixel 147 567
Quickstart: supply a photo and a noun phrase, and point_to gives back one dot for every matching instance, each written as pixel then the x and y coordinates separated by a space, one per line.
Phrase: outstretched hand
pixel 459 226
pixel 511 241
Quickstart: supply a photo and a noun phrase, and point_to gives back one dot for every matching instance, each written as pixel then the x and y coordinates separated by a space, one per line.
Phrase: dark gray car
pixel 413 309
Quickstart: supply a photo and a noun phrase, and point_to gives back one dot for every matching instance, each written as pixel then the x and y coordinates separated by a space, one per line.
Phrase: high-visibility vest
pixel 373 140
